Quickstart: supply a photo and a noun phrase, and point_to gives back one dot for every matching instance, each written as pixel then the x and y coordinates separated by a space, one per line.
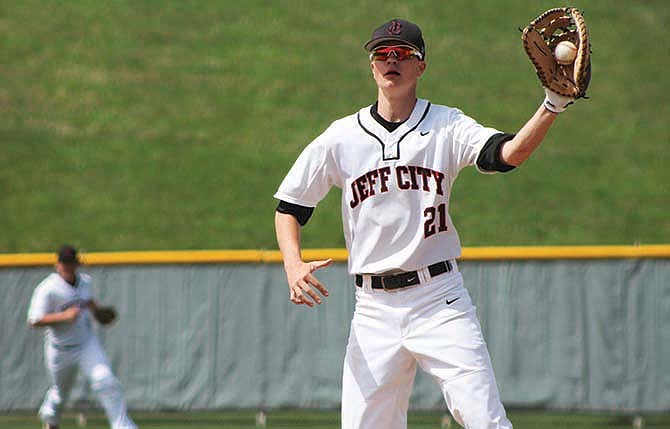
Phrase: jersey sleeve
pixel 312 175
pixel 469 138
pixel 39 304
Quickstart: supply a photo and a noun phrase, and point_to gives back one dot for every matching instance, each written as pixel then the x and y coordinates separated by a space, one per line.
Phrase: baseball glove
pixel 540 38
pixel 105 315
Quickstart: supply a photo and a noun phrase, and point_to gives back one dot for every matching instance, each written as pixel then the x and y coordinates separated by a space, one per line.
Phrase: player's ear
pixel 421 67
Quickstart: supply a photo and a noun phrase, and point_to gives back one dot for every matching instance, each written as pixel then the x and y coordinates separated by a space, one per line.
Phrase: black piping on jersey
pixel 390 126
pixel 358 117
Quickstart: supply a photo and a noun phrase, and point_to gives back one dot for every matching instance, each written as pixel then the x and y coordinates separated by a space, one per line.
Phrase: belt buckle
pixel 393 283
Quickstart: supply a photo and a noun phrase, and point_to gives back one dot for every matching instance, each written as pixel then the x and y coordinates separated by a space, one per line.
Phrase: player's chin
pixel 391 83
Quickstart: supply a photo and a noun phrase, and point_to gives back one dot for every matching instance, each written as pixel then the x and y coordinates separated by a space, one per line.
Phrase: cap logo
pixel 394 28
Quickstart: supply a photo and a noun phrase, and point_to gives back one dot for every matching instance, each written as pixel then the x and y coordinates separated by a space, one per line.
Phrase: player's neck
pixel 70 279
pixel 395 107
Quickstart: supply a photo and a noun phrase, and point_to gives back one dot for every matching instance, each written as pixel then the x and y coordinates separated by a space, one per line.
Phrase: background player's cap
pixel 67 254
pixel 397 30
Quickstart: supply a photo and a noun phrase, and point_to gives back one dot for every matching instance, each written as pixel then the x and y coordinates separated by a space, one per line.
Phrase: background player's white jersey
pixel 54 295
pixel 396 185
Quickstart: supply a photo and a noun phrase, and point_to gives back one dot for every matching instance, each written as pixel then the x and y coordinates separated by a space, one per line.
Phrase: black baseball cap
pixel 67 254
pixel 397 30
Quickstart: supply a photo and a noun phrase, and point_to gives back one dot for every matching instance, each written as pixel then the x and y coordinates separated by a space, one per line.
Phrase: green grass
pixel 330 420
pixel 129 125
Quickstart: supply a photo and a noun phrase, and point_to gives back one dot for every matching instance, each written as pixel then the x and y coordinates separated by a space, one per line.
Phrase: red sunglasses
pixel 400 52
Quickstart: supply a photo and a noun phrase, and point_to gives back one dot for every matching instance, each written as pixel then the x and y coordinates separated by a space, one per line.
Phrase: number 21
pixel 429 225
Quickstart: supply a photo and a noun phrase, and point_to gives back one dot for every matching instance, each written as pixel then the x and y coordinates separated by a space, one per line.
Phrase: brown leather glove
pixel 105 315
pixel 540 39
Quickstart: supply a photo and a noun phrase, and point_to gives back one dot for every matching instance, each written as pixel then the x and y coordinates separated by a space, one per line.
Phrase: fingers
pixel 318 285
pixel 296 298
pixel 316 265
pixel 304 294
pixel 302 283
pixel 303 291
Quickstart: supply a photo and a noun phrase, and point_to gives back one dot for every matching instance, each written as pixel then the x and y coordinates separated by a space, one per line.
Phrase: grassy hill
pixel 138 125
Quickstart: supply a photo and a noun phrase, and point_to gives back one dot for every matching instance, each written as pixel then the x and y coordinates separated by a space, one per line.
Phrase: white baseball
pixel 565 52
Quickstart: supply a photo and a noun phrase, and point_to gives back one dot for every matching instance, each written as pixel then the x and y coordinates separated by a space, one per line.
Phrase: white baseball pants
pixel 393 331
pixel 62 365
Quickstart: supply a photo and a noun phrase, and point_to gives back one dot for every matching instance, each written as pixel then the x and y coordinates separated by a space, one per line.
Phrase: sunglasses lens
pixel 400 52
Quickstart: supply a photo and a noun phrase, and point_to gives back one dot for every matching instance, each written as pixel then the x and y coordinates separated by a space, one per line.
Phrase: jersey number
pixel 441 220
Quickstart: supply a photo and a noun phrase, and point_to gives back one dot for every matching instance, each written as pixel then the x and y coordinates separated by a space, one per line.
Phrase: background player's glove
pixel 564 81
pixel 105 315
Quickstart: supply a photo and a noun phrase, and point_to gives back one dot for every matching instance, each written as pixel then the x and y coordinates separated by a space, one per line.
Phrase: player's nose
pixel 391 59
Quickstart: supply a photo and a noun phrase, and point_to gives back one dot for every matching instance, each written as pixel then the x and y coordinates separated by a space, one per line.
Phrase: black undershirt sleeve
pixel 489 156
pixel 300 213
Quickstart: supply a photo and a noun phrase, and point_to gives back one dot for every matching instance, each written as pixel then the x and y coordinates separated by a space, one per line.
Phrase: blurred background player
pixel 64 304
pixel 395 162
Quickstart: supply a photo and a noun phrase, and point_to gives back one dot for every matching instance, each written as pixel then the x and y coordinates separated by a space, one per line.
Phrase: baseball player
pixel 396 162
pixel 64 304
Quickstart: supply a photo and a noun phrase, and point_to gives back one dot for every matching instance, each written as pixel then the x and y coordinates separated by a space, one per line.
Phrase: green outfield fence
pixel 568 328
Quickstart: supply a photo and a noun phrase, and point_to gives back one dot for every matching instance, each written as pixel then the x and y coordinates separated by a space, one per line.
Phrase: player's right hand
pixel 301 282
pixel 71 314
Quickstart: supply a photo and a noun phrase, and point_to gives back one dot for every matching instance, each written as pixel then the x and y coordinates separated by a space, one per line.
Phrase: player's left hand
pixel 556 103
pixel 104 315
pixel 301 282
pixel 565 75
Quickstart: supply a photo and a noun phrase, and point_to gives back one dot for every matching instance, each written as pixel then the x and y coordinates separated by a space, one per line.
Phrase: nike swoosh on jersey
pixel 424 133
pixel 453 300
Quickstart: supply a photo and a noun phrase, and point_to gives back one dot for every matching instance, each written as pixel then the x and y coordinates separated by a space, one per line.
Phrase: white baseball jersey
pixel 54 295
pixel 396 185
pixel 72 346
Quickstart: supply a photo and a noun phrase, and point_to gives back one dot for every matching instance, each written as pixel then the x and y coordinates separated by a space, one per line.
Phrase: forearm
pixel 301 281
pixel 516 151
pixel 53 319
pixel 288 238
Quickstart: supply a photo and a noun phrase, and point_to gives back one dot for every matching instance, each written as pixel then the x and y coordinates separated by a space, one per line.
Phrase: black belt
pixel 410 278
pixel 65 346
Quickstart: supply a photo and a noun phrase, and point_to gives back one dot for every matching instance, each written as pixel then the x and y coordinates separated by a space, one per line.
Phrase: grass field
pixel 330 420
pixel 136 126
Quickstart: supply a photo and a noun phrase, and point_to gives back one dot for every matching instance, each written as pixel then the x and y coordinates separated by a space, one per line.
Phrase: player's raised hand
pixel 301 282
